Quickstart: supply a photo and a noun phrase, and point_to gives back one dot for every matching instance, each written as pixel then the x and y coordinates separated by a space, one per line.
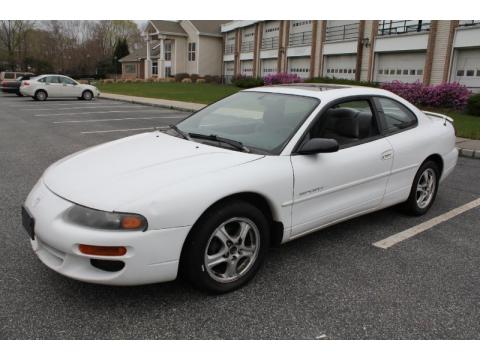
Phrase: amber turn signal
pixel 131 222
pixel 102 250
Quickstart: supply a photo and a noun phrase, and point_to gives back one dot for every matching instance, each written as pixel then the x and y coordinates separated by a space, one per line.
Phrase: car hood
pixel 112 175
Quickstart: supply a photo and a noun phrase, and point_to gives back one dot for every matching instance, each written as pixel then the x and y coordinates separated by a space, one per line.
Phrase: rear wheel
pixel 226 248
pixel 424 189
pixel 41 95
pixel 87 95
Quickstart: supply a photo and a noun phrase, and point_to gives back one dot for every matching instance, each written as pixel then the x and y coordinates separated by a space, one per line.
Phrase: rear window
pixel 9 75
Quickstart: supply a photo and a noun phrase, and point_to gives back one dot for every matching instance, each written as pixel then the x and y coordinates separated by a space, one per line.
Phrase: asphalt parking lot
pixel 333 284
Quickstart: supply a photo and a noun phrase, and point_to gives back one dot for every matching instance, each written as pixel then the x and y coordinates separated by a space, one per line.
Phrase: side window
pixel 348 123
pixel 68 81
pixel 42 80
pixel 395 115
pixel 52 79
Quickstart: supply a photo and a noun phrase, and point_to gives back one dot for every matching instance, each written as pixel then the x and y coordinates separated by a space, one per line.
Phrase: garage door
pixel 404 67
pixel 269 66
pixel 246 67
pixel 299 66
pixel 467 67
pixel 340 66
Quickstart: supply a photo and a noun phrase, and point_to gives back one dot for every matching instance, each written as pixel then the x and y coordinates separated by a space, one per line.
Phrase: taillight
pixel 26 83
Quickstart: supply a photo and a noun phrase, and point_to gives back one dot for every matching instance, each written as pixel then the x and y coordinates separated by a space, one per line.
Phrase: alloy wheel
pixel 426 188
pixel 232 249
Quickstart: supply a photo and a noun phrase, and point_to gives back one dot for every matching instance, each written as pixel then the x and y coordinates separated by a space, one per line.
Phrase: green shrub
pixel 246 82
pixel 473 105
pixel 329 80
pixel 180 76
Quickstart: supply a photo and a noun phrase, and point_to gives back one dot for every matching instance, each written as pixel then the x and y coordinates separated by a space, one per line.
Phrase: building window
pixel 168 71
pixel 412 72
pixel 130 68
pixel 168 50
pixel 470 72
pixel 420 72
pixel 154 68
pixel 478 72
pixel 460 72
pixel 405 72
pixel 191 51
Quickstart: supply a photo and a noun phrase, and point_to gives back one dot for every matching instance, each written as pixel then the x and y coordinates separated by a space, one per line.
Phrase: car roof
pixel 324 92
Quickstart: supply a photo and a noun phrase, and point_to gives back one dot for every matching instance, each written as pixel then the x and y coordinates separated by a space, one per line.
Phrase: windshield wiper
pixel 213 137
pixel 183 134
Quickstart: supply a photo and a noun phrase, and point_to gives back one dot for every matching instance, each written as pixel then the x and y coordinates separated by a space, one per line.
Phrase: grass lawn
pixel 466 126
pixel 196 93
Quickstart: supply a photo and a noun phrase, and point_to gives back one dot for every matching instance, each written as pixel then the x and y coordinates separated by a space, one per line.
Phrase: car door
pixel 70 87
pixel 399 127
pixel 332 186
pixel 53 86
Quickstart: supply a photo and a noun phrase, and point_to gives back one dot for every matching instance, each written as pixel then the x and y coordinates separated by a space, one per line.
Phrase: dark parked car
pixel 12 86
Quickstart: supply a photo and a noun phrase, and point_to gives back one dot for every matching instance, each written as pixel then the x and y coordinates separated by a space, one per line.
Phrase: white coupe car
pixel 207 198
pixel 57 86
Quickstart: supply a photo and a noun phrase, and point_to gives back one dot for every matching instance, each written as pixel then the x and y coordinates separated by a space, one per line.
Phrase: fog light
pixel 102 250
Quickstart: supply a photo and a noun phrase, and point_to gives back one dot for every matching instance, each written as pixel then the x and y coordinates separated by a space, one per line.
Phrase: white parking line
pixel 119 119
pixel 93 112
pixel 84 107
pixel 406 234
pixel 109 131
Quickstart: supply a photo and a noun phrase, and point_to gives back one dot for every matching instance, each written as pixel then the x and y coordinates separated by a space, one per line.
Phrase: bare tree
pixel 12 35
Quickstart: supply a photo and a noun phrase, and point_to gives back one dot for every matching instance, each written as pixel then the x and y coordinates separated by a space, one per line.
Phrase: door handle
pixel 387 155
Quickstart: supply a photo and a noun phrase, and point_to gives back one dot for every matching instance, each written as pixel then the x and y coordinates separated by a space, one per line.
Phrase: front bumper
pixel 152 256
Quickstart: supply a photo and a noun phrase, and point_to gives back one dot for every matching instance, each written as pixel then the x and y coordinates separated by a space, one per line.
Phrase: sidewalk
pixel 467 147
pixel 170 104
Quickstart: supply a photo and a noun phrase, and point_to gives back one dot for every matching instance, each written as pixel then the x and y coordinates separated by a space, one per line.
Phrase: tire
pixel 87 95
pixel 41 95
pixel 217 239
pixel 424 189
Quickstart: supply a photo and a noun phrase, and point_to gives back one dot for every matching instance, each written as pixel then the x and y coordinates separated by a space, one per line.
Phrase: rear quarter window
pixel 394 115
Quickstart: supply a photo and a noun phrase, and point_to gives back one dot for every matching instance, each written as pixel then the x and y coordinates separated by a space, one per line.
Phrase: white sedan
pixel 207 198
pixel 57 86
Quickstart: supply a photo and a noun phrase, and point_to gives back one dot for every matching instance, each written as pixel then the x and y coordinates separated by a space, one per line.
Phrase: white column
pixel 148 62
pixel 161 60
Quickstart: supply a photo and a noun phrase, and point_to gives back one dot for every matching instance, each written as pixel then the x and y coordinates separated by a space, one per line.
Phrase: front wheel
pixel 226 248
pixel 424 189
pixel 87 95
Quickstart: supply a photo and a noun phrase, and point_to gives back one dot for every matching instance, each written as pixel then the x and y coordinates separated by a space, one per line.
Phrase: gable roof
pixel 209 27
pixel 168 27
pixel 140 54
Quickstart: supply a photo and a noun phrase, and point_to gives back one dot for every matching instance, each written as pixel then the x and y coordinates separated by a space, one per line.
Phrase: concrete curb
pixel 469 153
pixel 166 104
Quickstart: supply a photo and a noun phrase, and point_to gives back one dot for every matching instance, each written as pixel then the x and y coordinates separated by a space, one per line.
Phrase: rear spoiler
pixel 439 116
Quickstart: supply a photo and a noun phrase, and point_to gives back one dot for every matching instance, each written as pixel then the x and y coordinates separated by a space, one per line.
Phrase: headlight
pixel 104 220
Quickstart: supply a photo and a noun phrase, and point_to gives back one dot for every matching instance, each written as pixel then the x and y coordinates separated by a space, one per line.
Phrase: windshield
pixel 259 120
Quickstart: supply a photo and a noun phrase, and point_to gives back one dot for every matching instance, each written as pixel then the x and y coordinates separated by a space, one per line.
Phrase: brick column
pixel 323 32
pixel 313 49
pixel 281 48
pixel 237 53
pixel 361 35
pixel 427 72
pixel 256 47
pixel 371 58
pixel 448 57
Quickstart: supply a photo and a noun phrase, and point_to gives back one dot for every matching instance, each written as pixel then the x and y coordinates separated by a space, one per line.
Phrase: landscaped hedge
pixel 246 82
pixel 447 95
pixel 329 80
pixel 473 105
pixel 180 76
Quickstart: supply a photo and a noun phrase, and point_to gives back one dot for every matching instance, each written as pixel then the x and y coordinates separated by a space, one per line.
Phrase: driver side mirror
pixel 318 145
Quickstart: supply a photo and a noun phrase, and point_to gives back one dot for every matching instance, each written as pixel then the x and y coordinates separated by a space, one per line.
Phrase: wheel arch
pixel 38 90
pixel 436 158
pixel 258 200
